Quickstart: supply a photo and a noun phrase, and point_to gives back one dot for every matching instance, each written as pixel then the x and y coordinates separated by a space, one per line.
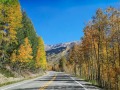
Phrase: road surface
pixel 52 81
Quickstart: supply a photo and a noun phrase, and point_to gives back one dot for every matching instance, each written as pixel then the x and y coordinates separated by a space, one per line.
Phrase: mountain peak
pixel 56 46
pixel 55 52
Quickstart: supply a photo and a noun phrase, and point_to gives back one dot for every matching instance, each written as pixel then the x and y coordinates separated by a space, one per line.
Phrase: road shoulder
pixel 6 87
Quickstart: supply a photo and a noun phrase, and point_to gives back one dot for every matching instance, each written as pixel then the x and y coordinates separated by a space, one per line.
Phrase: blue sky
pixel 59 21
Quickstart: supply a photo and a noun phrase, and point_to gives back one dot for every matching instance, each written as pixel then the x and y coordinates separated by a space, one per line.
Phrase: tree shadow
pixel 62 87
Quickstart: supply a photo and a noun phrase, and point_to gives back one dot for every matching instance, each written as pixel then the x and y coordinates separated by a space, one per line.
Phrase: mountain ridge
pixel 49 47
pixel 55 52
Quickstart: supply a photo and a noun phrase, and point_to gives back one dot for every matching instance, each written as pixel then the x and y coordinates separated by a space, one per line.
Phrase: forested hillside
pixel 55 52
pixel 21 50
pixel 97 57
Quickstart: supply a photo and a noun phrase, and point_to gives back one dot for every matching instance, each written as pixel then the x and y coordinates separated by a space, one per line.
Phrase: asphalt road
pixel 52 81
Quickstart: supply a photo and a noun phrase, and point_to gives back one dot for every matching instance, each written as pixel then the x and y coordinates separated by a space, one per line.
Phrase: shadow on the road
pixel 59 80
pixel 63 87
pixel 62 76
pixel 69 84
pixel 91 86
pixel 35 88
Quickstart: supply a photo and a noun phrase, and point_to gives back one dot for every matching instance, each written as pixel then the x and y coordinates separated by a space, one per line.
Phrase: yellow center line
pixel 48 83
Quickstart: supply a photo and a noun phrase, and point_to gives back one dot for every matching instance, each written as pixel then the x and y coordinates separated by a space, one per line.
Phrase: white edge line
pixel 78 83
pixel 20 83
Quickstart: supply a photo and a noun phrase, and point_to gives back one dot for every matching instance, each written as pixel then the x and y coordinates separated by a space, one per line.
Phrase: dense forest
pixel 21 49
pixel 97 57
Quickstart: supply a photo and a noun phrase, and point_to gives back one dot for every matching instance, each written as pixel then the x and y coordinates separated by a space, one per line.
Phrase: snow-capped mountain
pixel 69 44
pixel 55 52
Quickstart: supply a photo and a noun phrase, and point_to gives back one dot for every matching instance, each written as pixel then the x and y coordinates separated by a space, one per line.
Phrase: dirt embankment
pixel 18 77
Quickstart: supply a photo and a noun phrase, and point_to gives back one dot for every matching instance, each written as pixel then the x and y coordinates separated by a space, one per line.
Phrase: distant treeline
pixel 20 47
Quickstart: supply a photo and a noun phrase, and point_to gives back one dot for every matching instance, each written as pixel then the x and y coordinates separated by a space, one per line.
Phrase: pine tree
pixel 27 30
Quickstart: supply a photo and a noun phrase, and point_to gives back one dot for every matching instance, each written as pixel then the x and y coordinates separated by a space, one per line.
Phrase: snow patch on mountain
pixel 69 44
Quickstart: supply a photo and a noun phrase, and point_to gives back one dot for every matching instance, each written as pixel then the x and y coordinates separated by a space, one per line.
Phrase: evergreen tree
pixel 62 64
pixel 27 31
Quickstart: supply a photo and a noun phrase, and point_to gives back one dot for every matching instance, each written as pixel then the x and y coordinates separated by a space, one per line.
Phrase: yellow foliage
pixel 11 17
pixel 41 55
pixel 25 52
pixel 13 57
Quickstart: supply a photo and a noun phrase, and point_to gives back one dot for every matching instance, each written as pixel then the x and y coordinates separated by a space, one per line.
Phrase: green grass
pixel 93 82
pixel 6 72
